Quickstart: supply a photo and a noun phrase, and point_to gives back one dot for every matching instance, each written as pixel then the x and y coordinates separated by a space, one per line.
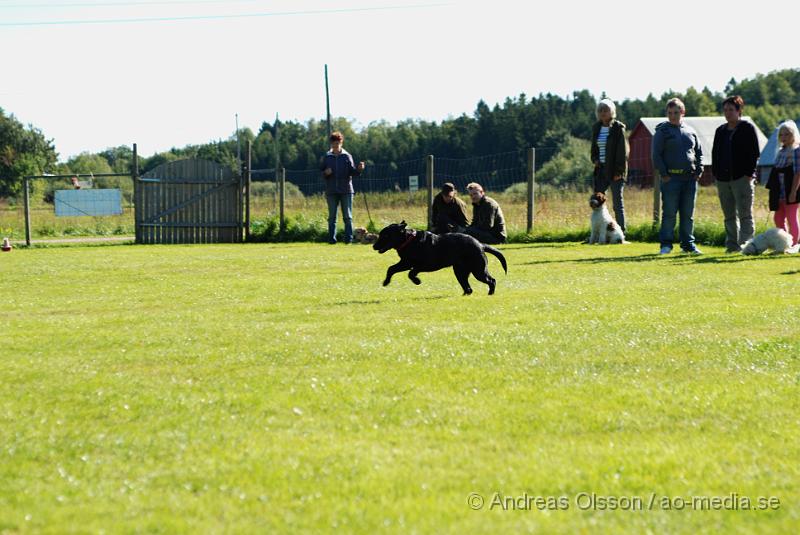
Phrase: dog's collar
pixel 408 240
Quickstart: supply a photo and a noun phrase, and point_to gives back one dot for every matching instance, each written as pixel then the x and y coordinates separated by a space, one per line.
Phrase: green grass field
pixel 280 389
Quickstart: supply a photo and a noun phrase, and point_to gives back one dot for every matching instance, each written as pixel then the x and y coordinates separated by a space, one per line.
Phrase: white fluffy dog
pixel 776 239
pixel 604 228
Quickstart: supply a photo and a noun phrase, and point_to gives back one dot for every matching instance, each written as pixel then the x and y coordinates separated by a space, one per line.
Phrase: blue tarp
pixel 88 202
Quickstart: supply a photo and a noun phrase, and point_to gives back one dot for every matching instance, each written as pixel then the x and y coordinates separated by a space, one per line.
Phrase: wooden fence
pixel 189 201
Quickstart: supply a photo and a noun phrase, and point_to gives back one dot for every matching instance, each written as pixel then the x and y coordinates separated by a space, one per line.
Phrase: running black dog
pixel 423 251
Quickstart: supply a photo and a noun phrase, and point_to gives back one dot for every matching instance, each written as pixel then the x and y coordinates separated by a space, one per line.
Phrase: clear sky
pixel 166 73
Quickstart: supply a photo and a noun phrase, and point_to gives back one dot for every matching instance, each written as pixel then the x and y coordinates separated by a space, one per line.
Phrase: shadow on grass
pixel 437 297
pixel 379 301
pixel 547 245
pixel 731 258
pixel 650 257
pixel 598 260
pixel 358 302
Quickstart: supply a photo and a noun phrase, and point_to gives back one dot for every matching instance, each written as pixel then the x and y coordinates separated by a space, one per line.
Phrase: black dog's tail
pixel 491 250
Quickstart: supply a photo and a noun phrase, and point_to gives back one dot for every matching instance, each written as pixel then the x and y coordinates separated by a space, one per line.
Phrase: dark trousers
pixel 445 224
pixel 484 236
pixel 601 184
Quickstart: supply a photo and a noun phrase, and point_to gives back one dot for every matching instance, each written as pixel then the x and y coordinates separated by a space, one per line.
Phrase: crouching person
pixel 488 224
pixel 448 212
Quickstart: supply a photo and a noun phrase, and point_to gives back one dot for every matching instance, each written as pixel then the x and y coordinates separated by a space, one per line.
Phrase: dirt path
pixel 85 239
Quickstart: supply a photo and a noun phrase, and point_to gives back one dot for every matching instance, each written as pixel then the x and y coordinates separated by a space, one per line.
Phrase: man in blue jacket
pixel 338 171
pixel 678 157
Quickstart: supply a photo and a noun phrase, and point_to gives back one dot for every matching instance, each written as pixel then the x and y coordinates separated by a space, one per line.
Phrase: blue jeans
pixel 346 200
pixel 678 196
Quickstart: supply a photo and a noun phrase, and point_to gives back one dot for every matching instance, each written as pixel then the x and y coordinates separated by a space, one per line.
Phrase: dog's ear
pixel 403 223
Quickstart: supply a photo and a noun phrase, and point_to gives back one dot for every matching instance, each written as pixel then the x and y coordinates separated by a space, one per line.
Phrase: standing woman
pixel 733 164
pixel 610 156
pixel 338 170
pixel 784 180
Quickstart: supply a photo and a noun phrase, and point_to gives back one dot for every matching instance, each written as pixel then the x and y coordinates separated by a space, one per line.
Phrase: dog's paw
pixel 386 282
pixel 415 280
pixel 468 291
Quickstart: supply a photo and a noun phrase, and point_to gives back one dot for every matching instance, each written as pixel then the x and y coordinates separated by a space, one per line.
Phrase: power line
pixel 123 4
pixel 219 17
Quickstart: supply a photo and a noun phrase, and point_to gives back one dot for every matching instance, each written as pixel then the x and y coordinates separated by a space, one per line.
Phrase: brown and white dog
pixel 604 228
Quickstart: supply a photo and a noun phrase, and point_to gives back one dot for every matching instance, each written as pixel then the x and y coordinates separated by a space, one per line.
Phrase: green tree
pixel 86 163
pixel 700 103
pixel 572 165
pixel 119 158
pixel 23 151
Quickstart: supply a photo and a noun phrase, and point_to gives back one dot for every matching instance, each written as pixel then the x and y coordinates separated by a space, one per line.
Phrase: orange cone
pixel 6 245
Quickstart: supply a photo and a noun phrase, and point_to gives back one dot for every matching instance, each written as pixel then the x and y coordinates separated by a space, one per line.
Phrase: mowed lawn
pixel 281 388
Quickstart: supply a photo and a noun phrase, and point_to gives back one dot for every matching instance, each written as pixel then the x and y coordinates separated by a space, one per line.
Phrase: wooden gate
pixel 189 201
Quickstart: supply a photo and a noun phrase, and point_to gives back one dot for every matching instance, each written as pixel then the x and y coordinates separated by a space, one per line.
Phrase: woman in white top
pixel 610 156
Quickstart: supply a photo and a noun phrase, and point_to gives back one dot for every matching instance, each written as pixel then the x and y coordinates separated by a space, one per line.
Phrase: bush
pixel 298 228
pixel 572 165
pixel 517 192
pixel 270 189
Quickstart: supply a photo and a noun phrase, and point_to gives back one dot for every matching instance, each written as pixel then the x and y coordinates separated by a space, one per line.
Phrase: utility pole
pixel 327 100
pixel 277 143
pixel 238 147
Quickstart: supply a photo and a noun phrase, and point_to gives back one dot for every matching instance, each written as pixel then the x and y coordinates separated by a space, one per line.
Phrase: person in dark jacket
pixel 488 224
pixel 678 157
pixel 609 155
pixel 448 212
pixel 733 163
pixel 338 171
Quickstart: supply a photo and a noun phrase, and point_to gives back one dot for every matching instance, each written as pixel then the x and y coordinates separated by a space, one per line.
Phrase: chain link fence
pixel 390 192
pixel 387 193
pixel 71 207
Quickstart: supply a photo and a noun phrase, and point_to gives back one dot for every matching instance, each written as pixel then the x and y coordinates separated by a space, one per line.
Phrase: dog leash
pixel 408 240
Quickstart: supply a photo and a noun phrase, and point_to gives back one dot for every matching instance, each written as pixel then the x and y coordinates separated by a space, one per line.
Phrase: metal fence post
pixel 247 184
pixel 282 197
pixel 137 194
pixel 27 196
pixel 429 179
pixel 531 184
pixel 276 190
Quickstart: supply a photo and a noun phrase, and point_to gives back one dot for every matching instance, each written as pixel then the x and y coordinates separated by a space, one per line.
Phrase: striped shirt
pixel 602 138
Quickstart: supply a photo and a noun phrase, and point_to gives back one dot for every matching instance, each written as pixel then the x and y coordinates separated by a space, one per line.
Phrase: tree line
pixel 546 120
